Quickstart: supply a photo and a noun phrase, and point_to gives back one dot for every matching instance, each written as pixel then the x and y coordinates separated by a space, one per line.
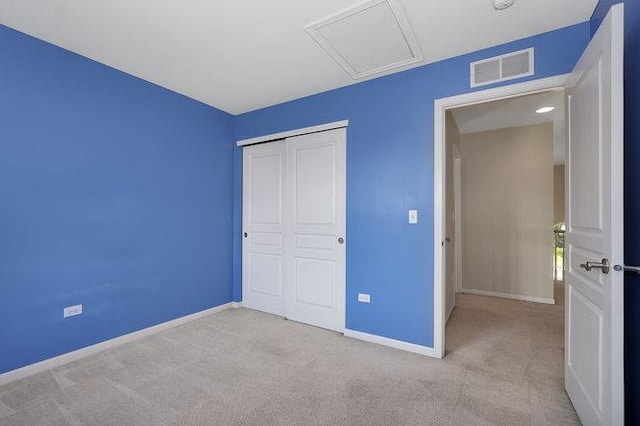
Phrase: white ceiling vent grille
pixel 505 67
pixel 371 38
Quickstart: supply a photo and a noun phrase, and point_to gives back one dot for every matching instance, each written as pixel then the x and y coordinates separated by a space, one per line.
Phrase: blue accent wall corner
pixel 114 193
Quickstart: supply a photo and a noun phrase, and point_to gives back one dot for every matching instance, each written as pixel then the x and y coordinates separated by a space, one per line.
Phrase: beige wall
pixel 558 194
pixel 507 214
pixel 452 138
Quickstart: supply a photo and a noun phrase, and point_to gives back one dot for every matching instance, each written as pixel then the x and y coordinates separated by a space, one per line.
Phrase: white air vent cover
pixel 371 38
pixel 500 68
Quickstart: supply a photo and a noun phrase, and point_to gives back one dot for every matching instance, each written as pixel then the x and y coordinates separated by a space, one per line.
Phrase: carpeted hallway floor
pixel 504 366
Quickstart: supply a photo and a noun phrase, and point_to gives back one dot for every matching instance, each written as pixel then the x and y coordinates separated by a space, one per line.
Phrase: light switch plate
pixel 413 216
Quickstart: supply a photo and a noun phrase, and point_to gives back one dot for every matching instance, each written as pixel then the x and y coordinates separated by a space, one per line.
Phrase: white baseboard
pixel 509 296
pixel 236 305
pixel 57 361
pixel 398 344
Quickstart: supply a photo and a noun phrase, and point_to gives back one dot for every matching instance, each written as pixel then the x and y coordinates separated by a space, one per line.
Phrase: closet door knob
pixel 246 235
pixel 340 240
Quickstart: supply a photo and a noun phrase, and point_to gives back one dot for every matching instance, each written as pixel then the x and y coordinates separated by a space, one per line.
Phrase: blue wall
pixel 389 171
pixel 114 193
pixel 632 197
pixel 122 196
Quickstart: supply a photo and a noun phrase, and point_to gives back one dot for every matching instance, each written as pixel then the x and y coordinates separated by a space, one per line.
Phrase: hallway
pixel 515 350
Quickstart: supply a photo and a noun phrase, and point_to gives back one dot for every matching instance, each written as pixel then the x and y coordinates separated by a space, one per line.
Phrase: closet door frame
pixel 244 268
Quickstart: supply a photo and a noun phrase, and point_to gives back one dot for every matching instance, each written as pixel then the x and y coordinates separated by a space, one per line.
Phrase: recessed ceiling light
pixel 502 4
pixel 545 109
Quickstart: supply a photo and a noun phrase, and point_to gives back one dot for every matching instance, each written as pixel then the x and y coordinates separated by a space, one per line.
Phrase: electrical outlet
pixel 70 311
pixel 364 298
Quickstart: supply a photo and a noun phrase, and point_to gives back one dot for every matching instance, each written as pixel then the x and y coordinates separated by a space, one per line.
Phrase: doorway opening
pixel 505 178
pixel 443 294
pixel 504 199
pixel 594 336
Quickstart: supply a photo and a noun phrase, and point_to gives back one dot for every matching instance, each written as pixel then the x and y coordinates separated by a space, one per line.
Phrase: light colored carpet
pixel 504 366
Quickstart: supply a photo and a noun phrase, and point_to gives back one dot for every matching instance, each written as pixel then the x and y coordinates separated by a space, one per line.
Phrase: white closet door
pixel 263 227
pixel 315 230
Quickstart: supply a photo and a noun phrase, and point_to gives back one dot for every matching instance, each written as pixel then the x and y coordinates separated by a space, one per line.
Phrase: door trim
pixel 292 133
pixel 457 196
pixel 439 190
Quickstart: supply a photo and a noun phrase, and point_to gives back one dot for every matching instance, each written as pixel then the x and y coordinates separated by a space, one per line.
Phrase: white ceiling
pixel 242 55
pixel 516 112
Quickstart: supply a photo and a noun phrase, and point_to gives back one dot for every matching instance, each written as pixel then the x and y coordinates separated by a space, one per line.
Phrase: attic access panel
pixel 368 39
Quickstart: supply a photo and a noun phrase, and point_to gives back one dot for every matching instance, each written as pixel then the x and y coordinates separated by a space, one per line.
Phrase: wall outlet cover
pixel 70 311
pixel 364 298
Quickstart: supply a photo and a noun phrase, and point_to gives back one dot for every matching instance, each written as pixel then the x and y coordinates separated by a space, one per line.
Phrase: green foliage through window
pixel 558 251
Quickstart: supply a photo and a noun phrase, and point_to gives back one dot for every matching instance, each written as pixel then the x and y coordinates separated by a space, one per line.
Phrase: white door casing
pixel 439 182
pixel 457 191
pixel 315 229
pixel 263 219
pixel 594 319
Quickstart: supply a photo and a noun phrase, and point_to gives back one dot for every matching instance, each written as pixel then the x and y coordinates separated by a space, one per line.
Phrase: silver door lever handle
pixel 626 268
pixel 603 265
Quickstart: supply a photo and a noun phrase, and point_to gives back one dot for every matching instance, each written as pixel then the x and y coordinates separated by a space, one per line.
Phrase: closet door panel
pixel 315 229
pixel 263 219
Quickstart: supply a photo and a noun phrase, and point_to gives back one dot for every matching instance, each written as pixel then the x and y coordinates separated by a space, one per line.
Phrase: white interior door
pixel 315 255
pixel 263 219
pixel 594 341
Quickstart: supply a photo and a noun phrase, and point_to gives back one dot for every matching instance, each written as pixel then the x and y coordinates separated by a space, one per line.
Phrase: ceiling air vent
pixel 501 68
